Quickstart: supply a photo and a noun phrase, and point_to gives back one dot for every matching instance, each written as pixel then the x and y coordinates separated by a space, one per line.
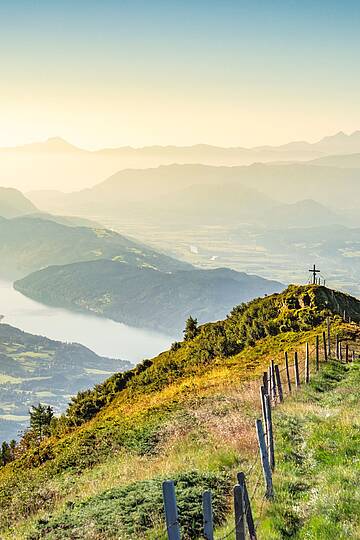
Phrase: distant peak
pixel 59 143
pixel 56 140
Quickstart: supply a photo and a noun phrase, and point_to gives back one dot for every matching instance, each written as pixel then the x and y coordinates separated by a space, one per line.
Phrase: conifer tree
pixel 12 449
pixel 191 329
pixel 40 420
pixel 5 453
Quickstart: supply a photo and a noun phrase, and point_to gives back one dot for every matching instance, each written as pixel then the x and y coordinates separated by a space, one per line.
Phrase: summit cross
pixel 314 271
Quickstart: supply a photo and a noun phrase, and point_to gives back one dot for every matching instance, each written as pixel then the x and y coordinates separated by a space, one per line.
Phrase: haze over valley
pixel 179 270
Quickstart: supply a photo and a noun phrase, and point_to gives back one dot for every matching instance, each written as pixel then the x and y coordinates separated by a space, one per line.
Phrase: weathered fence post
pixel 317 353
pixel 269 433
pixel 248 512
pixel 337 347
pixel 264 459
pixel 347 353
pixel 273 381
pixel 325 349
pixel 239 513
pixel 328 337
pixel 269 390
pixel 265 381
pixel 279 384
pixel 208 516
pixel 296 369
pixel 287 372
pixel 307 364
pixel 171 513
pixel 263 410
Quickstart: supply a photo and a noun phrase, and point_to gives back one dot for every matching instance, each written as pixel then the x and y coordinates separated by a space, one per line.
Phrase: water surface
pixel 103 336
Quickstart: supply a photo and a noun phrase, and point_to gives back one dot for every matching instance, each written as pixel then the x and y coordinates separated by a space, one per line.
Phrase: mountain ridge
pixel 58 143
pixel 131 191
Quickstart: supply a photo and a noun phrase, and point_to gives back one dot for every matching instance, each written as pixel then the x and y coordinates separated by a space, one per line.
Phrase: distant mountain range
pixel 178 193
pixel 56 164
pixel 340 143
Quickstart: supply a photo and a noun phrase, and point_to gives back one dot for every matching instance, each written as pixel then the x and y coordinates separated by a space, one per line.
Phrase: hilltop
pixel 187 413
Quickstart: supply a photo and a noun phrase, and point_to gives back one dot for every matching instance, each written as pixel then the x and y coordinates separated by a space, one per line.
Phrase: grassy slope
pixel 318 478
pixel 192 417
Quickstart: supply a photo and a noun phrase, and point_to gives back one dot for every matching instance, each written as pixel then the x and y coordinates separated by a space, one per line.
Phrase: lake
pixel 103 336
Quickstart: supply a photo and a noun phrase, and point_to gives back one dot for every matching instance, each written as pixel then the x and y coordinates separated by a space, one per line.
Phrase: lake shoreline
pixel 104 336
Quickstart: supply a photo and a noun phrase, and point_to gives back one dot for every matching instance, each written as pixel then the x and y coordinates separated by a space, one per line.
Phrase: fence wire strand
pixel 311 366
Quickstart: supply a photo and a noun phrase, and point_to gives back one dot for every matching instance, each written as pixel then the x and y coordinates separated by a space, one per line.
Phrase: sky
pixel 129 72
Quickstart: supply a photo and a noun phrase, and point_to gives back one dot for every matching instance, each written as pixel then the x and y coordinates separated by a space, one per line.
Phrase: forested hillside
pixel 142 295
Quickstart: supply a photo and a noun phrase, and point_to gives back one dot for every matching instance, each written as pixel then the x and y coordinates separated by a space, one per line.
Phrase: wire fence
pixel 299 371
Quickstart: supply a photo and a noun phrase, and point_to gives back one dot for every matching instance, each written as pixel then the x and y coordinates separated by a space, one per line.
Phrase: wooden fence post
pixel 264 459
pixel 325 349
pixel 328 337
pixel 279 384
pixel 263 410
pixel 337 347
pixel 269 433
pixel 287 372
pixel 347 353
pixel 248 512
pixel 317 353
pixel 307 364
pixel 171 513
pixel 353 356
pixel 265 381
pixel 273 381
pixel 296 369
pixel 269 390
pixel 208 516
pixel 239 513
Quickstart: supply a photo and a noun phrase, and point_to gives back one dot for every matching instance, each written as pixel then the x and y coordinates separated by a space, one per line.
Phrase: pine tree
pixel 5 453
pixel 12 449
pixel 191 329
pixel 40 420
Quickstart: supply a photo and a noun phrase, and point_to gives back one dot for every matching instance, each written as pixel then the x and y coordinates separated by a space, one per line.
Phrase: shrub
pixel 135 509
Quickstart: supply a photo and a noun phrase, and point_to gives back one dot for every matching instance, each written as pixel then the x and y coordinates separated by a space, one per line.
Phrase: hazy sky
pixel 227 72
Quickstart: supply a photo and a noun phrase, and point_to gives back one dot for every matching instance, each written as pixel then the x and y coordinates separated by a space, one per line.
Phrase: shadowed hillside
pixel 142 295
